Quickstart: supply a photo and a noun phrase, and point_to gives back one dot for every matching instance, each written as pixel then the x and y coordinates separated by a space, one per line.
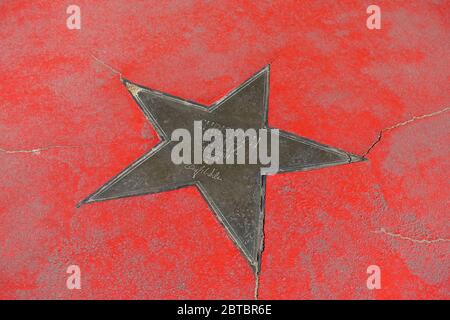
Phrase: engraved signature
pixel 207 171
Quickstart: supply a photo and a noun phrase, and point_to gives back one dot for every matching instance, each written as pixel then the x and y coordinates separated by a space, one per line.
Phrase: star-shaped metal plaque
pixel 234 192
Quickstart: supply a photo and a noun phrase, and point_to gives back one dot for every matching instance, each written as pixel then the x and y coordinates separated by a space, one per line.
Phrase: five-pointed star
pixel 238 198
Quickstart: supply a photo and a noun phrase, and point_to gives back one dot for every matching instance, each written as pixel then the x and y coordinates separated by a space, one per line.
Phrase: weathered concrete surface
pixel 67 125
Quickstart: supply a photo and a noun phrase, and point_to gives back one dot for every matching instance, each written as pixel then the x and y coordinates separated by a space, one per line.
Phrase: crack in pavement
pixel 38 150
pixel 400 124
pixel 107 66
pixel 50 147
pixel 399 236
pixel 256 286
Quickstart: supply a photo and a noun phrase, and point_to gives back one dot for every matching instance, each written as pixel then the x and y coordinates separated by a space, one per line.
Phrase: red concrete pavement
pixel 67 125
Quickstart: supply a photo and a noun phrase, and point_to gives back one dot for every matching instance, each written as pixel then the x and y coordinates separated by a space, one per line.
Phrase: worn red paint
pixel 332 80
